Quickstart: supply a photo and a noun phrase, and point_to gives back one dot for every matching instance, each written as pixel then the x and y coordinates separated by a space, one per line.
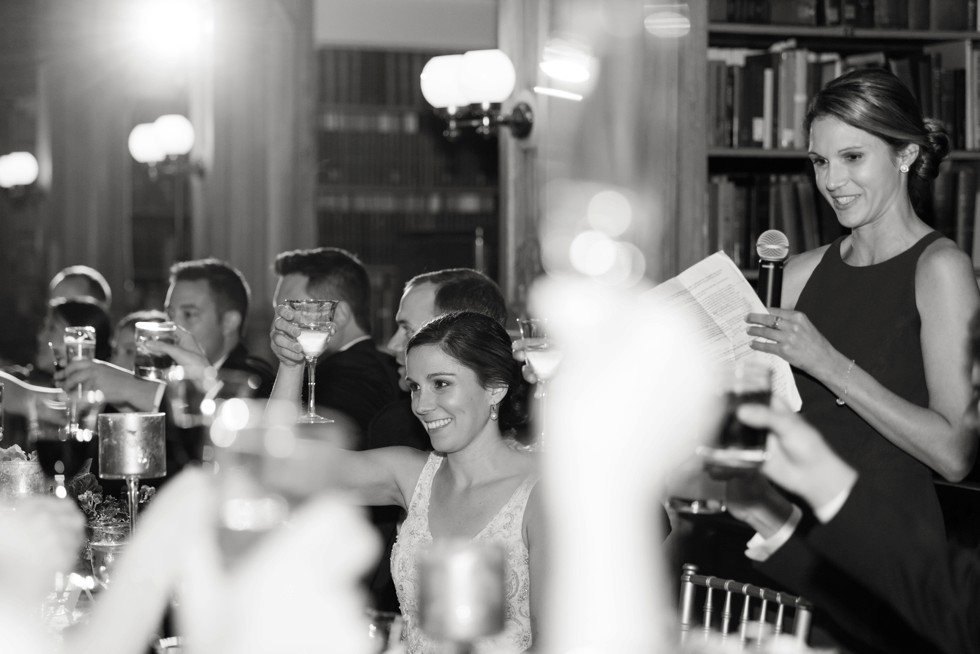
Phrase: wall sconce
pixel 163 146
pixel 18 171
pixel 468 89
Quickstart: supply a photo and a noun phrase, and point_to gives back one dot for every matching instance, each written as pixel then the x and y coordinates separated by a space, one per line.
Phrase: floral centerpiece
pixel 107 518
pixel 102 510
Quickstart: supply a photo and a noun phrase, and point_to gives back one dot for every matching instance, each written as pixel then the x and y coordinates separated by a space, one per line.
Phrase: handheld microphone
pixel 773 249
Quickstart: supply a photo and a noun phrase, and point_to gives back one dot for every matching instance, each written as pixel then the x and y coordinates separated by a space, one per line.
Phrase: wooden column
pixel 257 195
pixel 639 129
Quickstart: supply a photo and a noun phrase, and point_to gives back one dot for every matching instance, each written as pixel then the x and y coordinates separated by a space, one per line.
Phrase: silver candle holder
pixel 132 446
pixel 461 595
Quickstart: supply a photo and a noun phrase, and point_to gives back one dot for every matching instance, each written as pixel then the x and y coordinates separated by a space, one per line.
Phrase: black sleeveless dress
pixel 869 314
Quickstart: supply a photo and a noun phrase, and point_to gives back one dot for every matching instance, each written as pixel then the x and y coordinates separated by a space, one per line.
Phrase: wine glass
pixel 543 356
pixel 105 544
pixel 131 446
pixel 315 320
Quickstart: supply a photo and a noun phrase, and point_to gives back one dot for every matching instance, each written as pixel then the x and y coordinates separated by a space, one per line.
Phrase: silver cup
pixel 131 446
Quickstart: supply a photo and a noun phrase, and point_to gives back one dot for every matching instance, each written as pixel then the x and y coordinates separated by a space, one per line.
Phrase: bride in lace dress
pixel 478 484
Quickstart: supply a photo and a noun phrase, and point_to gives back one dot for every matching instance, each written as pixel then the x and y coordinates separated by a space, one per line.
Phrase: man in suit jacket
pixel 931 588
pixel 354 379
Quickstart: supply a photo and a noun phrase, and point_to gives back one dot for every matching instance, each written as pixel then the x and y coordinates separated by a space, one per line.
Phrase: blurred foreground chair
pixel 731 609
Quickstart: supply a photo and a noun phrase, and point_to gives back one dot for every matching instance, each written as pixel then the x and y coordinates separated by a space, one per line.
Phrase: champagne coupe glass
pixel 147 364
pixel 315 319
pixel 544 356
pixel 131 446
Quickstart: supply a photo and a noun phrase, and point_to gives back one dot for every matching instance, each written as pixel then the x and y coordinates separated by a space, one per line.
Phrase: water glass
pixel 149 365
pixel 740 448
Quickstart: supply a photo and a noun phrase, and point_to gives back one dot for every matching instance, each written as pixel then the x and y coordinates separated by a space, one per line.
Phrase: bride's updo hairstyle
pixel 481 344
pixel 876 101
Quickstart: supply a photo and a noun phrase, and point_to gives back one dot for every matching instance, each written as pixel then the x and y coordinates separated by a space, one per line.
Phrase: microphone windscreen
pixel 772 245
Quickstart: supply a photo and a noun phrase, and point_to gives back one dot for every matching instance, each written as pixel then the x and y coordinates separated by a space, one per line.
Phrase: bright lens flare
pixel 169 29
pixel 593 253
pixel 610 212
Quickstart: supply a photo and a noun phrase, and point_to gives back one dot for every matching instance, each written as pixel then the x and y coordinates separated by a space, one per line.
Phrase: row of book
pixel 410 203
pixel 406 159
pixel 741 206
pixel 371 77
pixel 759 98
pixel 883 14
pixel 955 207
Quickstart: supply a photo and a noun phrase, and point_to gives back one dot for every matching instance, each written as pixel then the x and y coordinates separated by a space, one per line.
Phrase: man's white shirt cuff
pixel 759 548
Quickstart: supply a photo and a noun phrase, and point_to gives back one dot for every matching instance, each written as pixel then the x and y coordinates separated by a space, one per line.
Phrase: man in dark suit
pixel 354 379
pixel 209 298
pixel 861 539
pixel 932 588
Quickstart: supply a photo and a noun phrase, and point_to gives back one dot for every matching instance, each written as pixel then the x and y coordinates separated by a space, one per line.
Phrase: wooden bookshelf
pixel 390 187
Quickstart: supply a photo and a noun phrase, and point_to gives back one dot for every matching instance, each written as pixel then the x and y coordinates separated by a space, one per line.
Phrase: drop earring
pixel 493 412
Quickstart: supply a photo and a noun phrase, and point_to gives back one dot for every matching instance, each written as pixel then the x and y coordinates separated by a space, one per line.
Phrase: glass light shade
pixel 670 24
pixel 566 62
pixel 486 76
pixel 144 144
pixel 175 134
pixel 18 169
pixel 440 82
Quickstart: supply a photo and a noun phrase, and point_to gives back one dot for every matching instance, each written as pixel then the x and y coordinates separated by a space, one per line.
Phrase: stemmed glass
pixel 542 353
pixel 315 320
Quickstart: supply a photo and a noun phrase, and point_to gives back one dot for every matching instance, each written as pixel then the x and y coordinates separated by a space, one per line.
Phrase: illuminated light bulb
pixel 18 169
pixel 440 82
pixel 144 144
pixel 486 76
pixel 175 133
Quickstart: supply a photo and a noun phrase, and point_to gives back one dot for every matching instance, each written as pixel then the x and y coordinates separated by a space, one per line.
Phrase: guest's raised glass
pixel 739 447
pixel 132 446
pixel 543 355
pixel 79 346
pixel 149 365
pixel 315 320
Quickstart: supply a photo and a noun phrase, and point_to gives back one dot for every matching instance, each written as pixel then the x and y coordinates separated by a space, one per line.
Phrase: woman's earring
pixel 493 411
pixel 904 168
